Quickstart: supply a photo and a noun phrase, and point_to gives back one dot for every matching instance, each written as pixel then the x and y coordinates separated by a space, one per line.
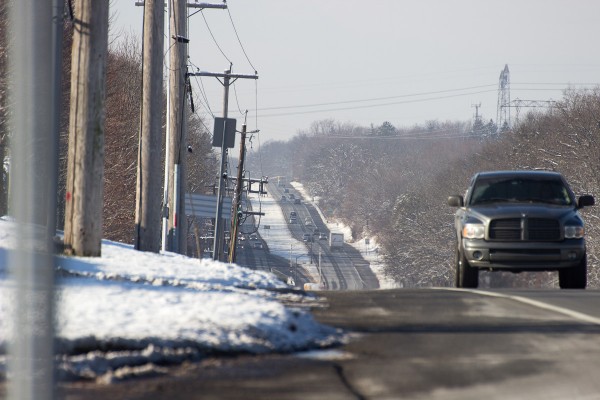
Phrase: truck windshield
pixel 520 190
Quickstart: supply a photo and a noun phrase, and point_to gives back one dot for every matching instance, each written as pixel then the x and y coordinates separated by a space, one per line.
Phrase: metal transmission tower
pixel 503 113
pixel 518 104
pixel 477 123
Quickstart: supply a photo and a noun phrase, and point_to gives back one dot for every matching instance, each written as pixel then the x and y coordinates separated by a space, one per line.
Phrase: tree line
pixel 392 183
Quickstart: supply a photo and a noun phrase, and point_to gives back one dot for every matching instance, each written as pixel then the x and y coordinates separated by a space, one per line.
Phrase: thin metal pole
pixel 175 239
pixel 31 268
pixel 165 209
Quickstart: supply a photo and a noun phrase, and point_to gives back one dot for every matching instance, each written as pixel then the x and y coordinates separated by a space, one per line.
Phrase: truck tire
pixel 574 278
pixel 466 276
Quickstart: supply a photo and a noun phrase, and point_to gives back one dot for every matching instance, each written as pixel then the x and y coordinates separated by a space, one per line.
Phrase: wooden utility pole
pixel 177 114
pixel 237 198
pixel 147 209
pixel 228 79
pixel 83 210
pixel 174 220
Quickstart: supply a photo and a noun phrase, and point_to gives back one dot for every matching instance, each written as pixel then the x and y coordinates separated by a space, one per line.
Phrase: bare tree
pixel 4 37
pixel 122 127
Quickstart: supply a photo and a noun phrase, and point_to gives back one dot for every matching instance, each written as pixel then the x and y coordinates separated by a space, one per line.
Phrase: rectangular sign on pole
pixel 229 127
pixel 204 206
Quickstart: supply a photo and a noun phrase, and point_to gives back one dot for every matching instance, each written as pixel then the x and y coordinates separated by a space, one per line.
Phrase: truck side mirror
pixel 585 200
pixel 456 201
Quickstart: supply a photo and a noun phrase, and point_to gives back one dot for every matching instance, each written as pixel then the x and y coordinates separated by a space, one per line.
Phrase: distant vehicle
pixel 292 197
pixel 297 201
pixel 307 221
pixel 307 237
pixel 313 286
pixel 293 220
pixel 254 236
pixel 520 221
pixel 336 240
pixel 322 236
pixel 286 190
pixel 316 231
pixel 257 245
pixel 293 214
pixel 283 198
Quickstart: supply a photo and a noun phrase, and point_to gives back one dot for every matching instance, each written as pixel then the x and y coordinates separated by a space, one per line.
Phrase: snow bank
pixel 128 311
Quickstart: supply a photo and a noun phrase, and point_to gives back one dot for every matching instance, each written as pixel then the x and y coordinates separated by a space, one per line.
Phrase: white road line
pixel 545 306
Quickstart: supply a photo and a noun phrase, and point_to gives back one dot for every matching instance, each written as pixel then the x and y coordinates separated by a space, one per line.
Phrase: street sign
pixel 203 206
pixel 229 132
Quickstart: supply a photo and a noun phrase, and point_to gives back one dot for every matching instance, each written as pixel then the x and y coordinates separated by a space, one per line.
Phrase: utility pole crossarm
pixel 194 5
pixel 206 5
pixel 222 75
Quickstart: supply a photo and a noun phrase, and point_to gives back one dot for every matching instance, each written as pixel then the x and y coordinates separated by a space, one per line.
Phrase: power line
pixel 256 104
pixel 240 42
pixel 202 90
pixel 237 100
pixel 376 105
pixel 213 37
pixel 410 95
pixel 376 98
pixel 424 136
pixel 382 104
pixel 557 83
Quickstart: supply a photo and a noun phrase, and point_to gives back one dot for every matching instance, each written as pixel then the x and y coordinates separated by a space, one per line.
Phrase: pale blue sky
pixel 422 60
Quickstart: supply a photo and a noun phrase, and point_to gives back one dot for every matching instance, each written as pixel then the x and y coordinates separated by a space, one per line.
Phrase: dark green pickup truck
pixel 520 221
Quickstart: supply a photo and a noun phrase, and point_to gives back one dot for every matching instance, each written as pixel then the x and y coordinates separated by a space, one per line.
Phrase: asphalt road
pixel 411 344
pixel 341 268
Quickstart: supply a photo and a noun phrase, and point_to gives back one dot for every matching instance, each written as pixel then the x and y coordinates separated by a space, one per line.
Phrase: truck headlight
pixel 473 231
pixel 574 232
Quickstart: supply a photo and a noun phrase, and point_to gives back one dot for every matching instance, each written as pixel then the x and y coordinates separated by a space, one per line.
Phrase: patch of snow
pixel 128 311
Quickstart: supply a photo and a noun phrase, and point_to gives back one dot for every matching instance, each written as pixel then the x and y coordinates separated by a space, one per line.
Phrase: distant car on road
pixel 307 237
pixel 283 198
pixel 297 201
pixel 293 220
pixel 322 236
pixel 286 190
pixel 257 244
pixel 307 221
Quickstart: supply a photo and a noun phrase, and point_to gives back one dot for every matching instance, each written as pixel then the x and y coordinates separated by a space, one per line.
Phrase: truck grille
pixel 525 229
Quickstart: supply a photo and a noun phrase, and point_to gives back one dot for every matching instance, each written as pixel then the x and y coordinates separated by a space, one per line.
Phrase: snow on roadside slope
pixel 134 309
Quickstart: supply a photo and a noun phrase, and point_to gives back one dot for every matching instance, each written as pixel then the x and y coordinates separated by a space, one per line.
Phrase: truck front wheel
pixel 574 278
pixel 466 276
